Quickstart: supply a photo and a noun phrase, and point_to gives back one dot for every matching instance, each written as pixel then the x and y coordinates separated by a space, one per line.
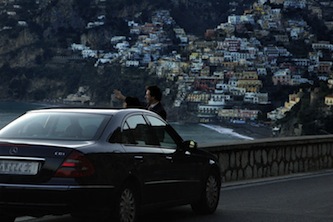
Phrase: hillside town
pixel 222 74
pixel 226 75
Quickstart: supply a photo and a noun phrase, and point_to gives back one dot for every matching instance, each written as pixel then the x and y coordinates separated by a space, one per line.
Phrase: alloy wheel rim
pixel 127 206
pixel 211 191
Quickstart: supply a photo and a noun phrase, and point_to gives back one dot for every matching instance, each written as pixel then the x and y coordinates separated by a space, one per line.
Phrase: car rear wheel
pixel 6 218
pixel 127 206
pixel 210 196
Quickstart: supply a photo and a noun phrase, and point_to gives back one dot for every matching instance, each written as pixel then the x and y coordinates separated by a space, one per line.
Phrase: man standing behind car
pixel 153 98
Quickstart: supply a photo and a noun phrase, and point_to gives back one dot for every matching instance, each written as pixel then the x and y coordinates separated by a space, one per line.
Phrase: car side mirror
pixel 190 144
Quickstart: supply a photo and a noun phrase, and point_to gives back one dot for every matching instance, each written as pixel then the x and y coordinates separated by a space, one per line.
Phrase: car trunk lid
pixel 32 162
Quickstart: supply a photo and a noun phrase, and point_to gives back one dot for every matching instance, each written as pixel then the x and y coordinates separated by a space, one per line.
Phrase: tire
pixel 7 218
pixel 210 196
pixel 127 205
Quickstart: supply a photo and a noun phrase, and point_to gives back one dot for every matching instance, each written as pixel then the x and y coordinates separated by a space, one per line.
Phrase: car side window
pixel 159 128
pixel 136 131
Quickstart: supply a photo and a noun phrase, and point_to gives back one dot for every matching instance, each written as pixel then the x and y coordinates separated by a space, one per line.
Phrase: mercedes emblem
pixel 13 150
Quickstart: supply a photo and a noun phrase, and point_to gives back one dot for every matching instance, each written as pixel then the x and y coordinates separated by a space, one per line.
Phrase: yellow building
pixel 247 75
pixel 329 100
pixel 293 100
pixel 198 97
pixel 250 85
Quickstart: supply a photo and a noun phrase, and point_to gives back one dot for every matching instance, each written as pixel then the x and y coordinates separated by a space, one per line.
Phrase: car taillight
pixel 75 165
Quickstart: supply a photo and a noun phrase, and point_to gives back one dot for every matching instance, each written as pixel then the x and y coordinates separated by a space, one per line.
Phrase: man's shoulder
pixel 159 106
pixel 159 109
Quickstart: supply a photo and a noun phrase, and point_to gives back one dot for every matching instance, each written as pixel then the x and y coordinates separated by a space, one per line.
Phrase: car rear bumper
pixel 53 199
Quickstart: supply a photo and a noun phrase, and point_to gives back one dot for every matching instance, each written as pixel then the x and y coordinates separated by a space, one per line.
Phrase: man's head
pixel 131 102
pixel 153 94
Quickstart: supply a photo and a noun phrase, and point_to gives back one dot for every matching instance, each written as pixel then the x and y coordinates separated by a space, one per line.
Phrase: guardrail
pixel 270 157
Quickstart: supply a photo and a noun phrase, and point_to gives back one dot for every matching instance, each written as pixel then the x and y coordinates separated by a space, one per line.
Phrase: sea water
pixel 10 110
pixel 201 133
pixel 207 133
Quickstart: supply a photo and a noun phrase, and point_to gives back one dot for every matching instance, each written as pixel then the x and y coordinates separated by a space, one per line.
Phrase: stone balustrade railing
pixel 273 156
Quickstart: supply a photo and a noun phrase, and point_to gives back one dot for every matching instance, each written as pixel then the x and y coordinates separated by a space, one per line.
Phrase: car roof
pixel 75 110
pixel 91 110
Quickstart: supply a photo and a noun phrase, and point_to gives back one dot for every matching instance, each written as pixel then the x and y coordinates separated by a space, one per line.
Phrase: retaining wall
pixel 273 157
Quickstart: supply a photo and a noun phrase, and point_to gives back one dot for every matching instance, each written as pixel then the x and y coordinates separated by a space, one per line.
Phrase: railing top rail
pixel 268 142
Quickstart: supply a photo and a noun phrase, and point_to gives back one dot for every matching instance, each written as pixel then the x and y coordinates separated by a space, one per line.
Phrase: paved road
pixel 304 198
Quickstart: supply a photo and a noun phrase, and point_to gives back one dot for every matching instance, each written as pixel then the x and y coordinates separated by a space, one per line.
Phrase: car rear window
pixel 55 126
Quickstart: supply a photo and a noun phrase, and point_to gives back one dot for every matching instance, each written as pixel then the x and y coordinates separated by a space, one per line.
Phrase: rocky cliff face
pixel 55 24
pixel 34 60
pixel 19 50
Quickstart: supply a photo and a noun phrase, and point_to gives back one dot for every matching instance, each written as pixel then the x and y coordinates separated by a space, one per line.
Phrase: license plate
pixel 18 167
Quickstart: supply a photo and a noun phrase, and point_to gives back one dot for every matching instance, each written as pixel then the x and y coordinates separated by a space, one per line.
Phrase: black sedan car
pixel 114 163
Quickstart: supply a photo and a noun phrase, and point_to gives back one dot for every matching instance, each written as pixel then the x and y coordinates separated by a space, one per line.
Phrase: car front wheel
pixel 210 196
pixel 127 206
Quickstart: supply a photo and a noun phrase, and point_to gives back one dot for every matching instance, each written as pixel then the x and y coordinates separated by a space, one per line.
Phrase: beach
pixel 255 131
pixel 221 133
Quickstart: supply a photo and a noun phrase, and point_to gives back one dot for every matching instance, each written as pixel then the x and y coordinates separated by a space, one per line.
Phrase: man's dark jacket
pixel 159 109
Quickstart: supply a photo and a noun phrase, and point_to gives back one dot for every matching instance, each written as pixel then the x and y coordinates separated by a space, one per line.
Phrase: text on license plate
pixel 18 167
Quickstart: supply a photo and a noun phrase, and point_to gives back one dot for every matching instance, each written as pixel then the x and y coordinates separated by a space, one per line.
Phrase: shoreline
pixel 254 131
pixel 242 130
pixel 227 131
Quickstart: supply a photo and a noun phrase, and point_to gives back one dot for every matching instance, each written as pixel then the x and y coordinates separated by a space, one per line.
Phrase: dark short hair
pixel 155 91
pixel 133 102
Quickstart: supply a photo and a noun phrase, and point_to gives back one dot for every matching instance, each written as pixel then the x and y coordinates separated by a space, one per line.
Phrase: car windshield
pixel 55 126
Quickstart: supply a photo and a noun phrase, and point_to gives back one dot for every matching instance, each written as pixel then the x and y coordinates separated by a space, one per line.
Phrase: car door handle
pixel 168 158
pixel 138 158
